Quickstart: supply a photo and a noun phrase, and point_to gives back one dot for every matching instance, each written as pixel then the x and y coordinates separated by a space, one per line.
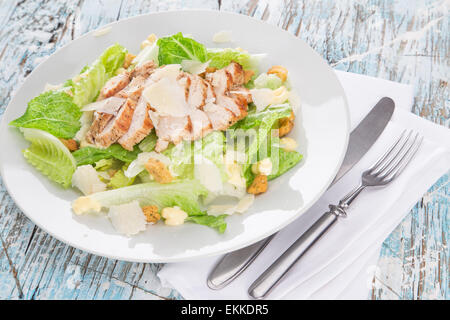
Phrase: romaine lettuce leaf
pixel 87 85
pixel 262 124
pixel 112 59
pixel 149 142
pixel 182 193
pixel 216 222
pixel 220 58
pixel 282 161
pixel 56 111
pixel 176 48
pixel 147 54
pixel 212 147
pixel 90 155
pixel 50 156
pixel 104 164
pixel 119 180
pixel 52 111
pixel 268 116
pixel 269 81
pixel 182 159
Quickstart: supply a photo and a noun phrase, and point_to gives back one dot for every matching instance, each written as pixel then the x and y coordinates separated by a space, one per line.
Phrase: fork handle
pixel 273 275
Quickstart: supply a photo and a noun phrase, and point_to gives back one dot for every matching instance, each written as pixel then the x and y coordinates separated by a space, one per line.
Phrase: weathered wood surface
pixel 405 41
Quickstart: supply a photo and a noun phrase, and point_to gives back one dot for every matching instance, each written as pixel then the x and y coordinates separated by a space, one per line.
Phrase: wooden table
pixel 405 41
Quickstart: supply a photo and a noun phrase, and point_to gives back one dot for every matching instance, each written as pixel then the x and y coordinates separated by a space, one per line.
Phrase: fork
pixel 385 170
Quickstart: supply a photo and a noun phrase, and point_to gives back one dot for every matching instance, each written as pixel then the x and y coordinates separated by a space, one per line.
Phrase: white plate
pixel 322 127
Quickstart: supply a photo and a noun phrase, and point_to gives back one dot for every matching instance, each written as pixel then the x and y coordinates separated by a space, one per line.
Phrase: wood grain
pixel 405 41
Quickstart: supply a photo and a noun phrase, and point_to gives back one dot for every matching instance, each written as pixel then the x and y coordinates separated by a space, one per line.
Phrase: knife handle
pixel 273 275
pixel 234 263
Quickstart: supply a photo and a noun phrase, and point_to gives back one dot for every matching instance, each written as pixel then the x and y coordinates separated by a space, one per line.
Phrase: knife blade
pixel 361 140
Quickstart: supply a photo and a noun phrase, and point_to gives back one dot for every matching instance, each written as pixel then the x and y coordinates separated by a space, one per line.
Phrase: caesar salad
pixel 177 133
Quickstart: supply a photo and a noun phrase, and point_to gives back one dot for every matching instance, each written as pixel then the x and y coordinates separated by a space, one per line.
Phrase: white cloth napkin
pixel 339 265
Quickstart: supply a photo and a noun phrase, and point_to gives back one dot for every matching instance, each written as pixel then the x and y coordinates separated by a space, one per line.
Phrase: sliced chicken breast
pixel 180 106
pixel 145 70
pixel 117 126
pixel 140 127
pixel 134 89
pixel 114 85
pixel 101 119
pixel 98 124
pixel 221 118
pixel 225 85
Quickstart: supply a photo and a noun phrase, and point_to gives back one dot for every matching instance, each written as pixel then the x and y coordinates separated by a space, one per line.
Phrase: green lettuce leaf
pixel 119 180
pixel 182 159
pixel 270 81
pixel 149 142
pixel 90 155
pixel 52 111
pixel 176 48
pixel 216 222
pixel 58 112
pixel 182 193
pixel 212 147
pixel 87 85
pixel 220 58
pixel 104 164
pixel 50 156
pixel 281 159
pixel 147 54
pixel 286 160
pixel 264 118
pixel 261 124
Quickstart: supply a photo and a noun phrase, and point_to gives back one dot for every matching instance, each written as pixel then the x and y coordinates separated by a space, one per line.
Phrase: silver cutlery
pixel 385 170
pixel 361 139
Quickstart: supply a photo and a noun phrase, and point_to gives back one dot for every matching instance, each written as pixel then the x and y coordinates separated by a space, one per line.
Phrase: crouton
pixel 259 185
pixel 279 71
pixel 248 74
pixel 70 144
pixel 286 125
pixel 158 170
pixel 128 59
pixel 151 214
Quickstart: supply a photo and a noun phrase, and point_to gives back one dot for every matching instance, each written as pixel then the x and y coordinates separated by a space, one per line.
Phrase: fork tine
pixel 405 148
pixel 387 154
pixel 399 147
pixel 404 161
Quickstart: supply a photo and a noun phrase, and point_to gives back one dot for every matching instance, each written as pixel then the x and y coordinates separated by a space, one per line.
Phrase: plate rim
pixel 297 215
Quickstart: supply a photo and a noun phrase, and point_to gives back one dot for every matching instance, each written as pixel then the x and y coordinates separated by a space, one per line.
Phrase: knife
pixel 361 140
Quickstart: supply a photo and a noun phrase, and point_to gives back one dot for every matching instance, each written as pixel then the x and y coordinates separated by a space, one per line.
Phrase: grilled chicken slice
pixel 200 124
pixel 140 127
pixel 99 123
pixel 220 117
pixel 212 104
pixel 134 89
pixel 226 92
pixel 114 85
pixel 119 125
pixel 179 105
pixel 144 70
pixel 196 99
pixel 101 119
